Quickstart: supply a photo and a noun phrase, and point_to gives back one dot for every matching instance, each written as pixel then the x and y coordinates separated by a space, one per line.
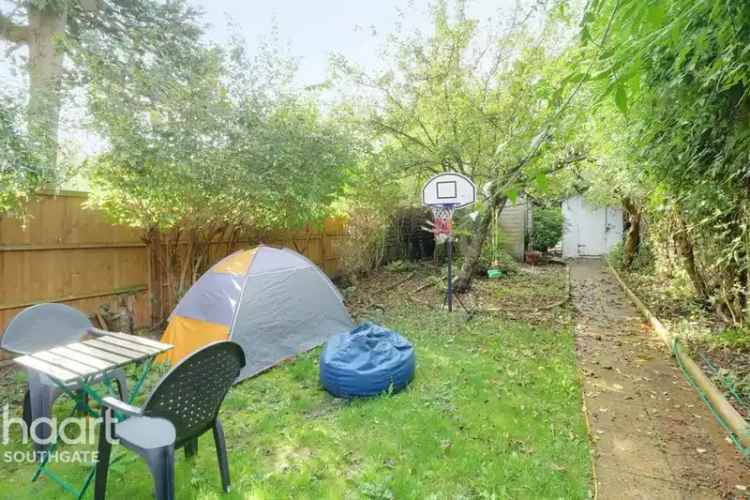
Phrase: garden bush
pixel 547 228
pixel 498 259
pixel 362 248
pixel 405 238
pixel 644 261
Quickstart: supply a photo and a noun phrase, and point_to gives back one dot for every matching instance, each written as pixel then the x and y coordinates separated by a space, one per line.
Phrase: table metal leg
pixel 78 396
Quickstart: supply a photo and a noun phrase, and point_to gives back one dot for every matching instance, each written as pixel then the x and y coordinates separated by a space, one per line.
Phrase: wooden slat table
pixel 75 367
pixel 92 358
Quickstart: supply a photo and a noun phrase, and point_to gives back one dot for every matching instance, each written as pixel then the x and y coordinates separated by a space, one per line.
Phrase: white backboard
pixel 449 188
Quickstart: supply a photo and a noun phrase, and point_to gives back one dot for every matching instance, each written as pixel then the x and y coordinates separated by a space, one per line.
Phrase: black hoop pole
pixel 449 252
pixel 449 255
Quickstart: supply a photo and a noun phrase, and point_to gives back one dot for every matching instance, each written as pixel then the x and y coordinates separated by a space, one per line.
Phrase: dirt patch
pixel 653 436
pixel 532 294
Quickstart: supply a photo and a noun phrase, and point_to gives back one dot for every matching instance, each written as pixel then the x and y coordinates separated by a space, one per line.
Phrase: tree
pixel 19 167
pixel 482 102
pixel 222 150
pixel 135 31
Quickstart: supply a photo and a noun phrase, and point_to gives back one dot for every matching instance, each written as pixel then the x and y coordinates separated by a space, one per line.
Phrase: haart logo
pixel 45 432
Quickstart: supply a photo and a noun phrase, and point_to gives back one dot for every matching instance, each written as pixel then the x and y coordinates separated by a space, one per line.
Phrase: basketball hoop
pixel 444 193
pixel 442 222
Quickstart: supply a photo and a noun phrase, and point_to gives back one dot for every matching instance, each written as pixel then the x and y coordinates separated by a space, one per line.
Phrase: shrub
pixel 615 256
pixel 547 228
pixel 499 259
pixel 405 238
pixel 362 248
pixel 644 261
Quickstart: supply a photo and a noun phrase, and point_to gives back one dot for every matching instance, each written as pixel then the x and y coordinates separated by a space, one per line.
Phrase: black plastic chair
pixel 184 405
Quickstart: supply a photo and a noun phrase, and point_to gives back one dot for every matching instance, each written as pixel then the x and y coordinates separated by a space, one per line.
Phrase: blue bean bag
pixel 367 361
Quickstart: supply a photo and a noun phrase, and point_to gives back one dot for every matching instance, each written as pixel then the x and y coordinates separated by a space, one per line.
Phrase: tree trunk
pixel 47 31
pixel 473 251
pixel 633 237
pixel 155 273
pixel 685 248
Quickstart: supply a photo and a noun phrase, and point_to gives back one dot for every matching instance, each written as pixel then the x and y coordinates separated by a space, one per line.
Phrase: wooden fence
pixel 64 252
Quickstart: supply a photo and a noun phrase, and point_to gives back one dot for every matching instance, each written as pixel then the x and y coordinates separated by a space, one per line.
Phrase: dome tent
pixel 274 302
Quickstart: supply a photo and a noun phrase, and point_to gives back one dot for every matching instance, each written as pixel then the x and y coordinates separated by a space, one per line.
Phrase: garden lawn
pixel 494 412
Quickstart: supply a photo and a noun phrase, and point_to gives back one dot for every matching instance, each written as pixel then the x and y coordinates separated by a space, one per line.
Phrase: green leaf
pixel 656 14
pixel 585 35
pixel 621 98
pixel 542 182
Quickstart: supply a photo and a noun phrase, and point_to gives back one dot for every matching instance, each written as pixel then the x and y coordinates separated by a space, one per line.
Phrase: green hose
pixel 728 382
pixel 744 451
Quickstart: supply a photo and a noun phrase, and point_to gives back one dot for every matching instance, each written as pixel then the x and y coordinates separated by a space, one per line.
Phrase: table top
pixel 108 350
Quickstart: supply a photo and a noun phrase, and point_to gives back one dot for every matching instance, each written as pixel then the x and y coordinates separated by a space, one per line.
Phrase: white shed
pixel 590 230
pixel 513 223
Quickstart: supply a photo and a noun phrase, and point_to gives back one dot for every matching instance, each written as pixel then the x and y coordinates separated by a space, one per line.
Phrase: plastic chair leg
pixel 191 448
pixel 221 454
pixel 41 398
pixel 161 464
pixel 27 408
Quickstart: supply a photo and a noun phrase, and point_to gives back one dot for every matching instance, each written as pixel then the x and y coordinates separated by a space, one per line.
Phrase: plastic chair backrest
pixel 42 327
pixel 191 394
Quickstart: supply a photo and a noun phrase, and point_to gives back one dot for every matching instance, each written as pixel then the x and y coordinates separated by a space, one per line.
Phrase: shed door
pixel 592 223
pixel 614 228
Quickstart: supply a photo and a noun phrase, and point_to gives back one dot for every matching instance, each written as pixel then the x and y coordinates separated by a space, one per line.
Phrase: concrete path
pixel 654 437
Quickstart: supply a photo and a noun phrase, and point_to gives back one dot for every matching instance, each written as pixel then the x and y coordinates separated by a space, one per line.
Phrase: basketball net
pixel 442 222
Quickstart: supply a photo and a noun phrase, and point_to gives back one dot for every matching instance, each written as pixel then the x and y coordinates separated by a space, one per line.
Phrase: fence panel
pixel 64 252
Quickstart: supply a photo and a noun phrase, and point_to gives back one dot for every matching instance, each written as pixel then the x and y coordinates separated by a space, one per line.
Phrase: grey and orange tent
pixel 274 302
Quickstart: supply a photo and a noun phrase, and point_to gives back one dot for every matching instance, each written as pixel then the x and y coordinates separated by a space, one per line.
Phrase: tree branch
pixel 400 106
pixel 399 133
pixel 12 32
pixel 561 164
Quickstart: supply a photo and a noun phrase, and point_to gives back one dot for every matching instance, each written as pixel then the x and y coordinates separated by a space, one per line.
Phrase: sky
pixel 316 29
pixel 311 31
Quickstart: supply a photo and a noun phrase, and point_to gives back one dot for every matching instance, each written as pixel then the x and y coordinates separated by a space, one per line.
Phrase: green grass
pixel 494 412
